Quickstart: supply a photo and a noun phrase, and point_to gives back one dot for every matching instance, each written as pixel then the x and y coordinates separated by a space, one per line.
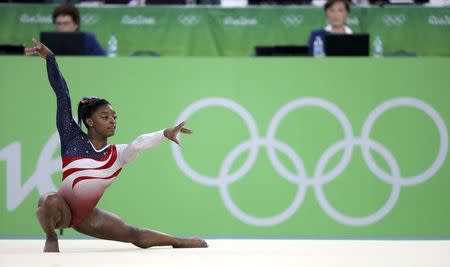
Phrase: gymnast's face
pixel 103 121
pixel 337 14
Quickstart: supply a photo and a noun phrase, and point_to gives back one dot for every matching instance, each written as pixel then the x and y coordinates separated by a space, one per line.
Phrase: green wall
pixel 215 31
pixel 274 141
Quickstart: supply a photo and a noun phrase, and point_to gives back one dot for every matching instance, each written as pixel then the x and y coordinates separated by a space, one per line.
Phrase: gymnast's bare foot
pixel 51 245
pixel 190 243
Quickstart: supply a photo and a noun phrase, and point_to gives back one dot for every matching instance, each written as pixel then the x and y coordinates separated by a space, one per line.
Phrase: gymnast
pixel 90 165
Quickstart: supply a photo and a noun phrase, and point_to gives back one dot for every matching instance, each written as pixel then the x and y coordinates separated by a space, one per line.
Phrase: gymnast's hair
pixel 87 106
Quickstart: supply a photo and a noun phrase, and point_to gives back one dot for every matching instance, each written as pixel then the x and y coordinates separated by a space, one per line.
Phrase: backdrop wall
pixel 281 147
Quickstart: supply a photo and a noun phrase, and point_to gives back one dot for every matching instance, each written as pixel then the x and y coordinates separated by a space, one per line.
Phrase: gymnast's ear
pixel 89 122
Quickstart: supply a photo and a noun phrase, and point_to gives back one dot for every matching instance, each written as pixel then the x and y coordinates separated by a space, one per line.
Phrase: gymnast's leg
pixel 106 225
pixel 52 213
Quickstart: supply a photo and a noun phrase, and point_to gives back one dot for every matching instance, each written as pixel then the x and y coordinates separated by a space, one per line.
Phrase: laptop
pixel 12 49
pixel 65 43
pixel 347 44
pixel 281 50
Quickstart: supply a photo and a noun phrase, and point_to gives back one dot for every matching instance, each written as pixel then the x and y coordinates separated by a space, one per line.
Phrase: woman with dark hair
pixel 90 165
pixel 66 18
pixel 336 12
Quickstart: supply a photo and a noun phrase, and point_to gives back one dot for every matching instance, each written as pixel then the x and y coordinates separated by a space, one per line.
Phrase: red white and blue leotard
pixel 87 172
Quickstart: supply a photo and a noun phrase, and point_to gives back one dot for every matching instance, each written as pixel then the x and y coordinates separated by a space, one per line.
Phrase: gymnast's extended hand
pixel 38 49
pixel 171 133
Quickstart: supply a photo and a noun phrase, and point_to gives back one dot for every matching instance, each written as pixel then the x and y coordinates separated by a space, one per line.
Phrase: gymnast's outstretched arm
pixel 151 140
pixel 67 127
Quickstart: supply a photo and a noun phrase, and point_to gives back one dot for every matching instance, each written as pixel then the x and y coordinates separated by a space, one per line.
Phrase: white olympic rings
pixel 320 177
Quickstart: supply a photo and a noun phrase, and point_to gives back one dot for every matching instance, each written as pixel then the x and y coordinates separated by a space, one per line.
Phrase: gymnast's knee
pixel 47 203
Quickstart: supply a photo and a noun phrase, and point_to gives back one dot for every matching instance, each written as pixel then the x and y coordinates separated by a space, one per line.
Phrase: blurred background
pixel 232 27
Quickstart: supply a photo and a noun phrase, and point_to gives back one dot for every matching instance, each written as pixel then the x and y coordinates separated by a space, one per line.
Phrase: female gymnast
pixel 90 165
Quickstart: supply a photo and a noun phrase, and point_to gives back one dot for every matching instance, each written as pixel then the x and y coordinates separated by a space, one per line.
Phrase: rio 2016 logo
pixel 16 192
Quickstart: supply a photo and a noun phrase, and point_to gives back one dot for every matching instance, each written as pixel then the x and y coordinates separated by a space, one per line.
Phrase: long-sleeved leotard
pixel 87 172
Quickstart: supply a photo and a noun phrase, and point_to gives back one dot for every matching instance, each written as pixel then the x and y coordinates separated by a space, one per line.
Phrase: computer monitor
pixel 65 43
pixel 12 49
pixel 347 44
pixel 281 50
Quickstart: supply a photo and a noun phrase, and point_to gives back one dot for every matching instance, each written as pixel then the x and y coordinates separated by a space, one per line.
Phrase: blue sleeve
pixel 93 47
pixel 67 127
pixel 312 36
